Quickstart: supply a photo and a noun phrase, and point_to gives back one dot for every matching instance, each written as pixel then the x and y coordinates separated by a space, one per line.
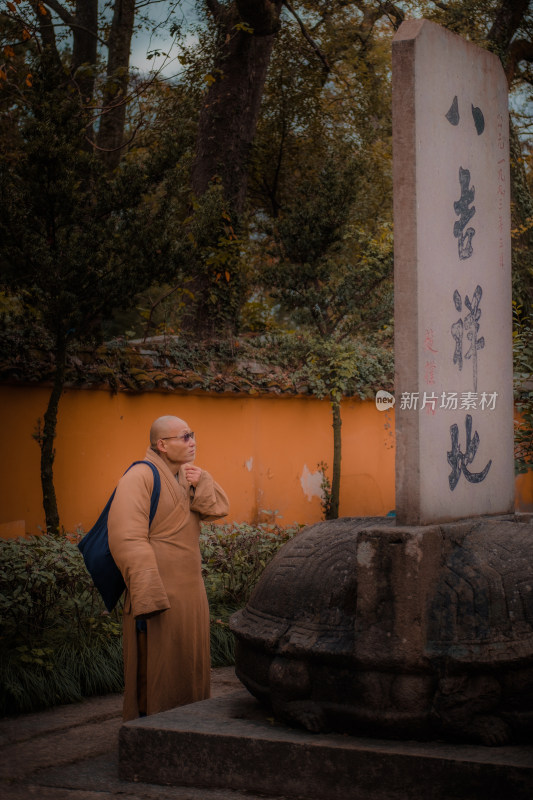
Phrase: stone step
pixel 232 743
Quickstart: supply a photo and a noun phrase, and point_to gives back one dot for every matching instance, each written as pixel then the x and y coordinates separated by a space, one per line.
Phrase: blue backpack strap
pixel 156 491
pixel 95 548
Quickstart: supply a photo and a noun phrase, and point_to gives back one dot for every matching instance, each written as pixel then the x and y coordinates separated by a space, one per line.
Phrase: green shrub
pixel 523 388
pixel 233 557
pixel 57 641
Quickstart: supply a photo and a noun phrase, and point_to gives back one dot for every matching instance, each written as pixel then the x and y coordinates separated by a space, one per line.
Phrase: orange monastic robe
pixel 162 571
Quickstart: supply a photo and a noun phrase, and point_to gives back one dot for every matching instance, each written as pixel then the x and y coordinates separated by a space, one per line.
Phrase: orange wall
pixel 524 492
pixel 263 451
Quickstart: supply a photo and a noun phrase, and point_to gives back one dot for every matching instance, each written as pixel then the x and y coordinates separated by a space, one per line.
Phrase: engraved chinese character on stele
pixel 460 461
pixel 470 326
pixel 453 116
pixel 462 206
pixel 465 213
pixel 429 341
pixel 429 372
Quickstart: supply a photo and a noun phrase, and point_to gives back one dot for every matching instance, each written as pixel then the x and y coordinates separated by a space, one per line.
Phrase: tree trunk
pixel 333 511
pixel 47 439
pixel 85 47
pixel 507 20
pixel 111 130
pixel 229 114
pixel 522 213
pixel 47 31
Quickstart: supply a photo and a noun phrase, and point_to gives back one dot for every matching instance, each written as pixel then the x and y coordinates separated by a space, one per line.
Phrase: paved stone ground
pixel 71 753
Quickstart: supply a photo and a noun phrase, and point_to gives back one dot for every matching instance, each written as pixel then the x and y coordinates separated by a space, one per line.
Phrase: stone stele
pixel 422 626
pixel 453 309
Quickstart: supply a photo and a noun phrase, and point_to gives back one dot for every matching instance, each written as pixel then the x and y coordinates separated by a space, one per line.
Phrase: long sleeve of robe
pixel 162 571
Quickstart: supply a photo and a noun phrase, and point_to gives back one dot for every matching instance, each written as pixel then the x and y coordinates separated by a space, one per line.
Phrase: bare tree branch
pixel 61 12
pixel 76 26
pixel 148 3
pixel 118 148
pixel 395 14
pixel 46 29
pixel 307 36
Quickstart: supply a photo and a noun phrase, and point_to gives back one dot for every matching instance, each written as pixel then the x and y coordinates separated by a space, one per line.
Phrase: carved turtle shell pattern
pixel 480 614
pixel 482 610
pixel 305 601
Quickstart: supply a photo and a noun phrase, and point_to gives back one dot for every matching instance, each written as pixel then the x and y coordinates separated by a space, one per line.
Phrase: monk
pixel 166 616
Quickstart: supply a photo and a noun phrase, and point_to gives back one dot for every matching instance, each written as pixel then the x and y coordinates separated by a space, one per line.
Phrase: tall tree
pixel 336 282
pixel 76 241
pixel 84 28
pixel 245 36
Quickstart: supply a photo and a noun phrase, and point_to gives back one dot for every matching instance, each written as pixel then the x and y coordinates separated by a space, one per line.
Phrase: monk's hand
pixel 150 614
pixel 193 474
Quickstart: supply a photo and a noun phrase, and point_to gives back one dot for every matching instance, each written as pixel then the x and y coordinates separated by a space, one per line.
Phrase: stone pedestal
pixel 232 744
pixel 370 628
pixel 394 632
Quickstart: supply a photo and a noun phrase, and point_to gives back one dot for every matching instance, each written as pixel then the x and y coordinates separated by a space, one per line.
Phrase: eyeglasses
pixel 185 436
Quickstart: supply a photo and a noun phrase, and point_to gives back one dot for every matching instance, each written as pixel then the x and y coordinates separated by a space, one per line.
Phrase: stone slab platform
pixel 232 743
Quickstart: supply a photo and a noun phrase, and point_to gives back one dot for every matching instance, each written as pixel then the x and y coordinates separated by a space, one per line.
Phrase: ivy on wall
pixel 272 364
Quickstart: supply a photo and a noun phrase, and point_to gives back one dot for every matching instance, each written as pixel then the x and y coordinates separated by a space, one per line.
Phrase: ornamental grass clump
pixel 57 642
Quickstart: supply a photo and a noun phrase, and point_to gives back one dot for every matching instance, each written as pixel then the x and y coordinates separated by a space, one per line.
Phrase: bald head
pixel 164 426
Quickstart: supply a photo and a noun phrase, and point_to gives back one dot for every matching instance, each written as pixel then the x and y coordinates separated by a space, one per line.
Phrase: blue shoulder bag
pixel 94 548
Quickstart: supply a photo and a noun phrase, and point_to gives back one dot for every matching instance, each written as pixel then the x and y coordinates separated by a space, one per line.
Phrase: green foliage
pixel 521 223
pixel 330 272
pixel 523 388
pixel 333 274
pixel 331 368
pixel 76 242
pixel 234 556
pixel 306 112
pixel 58 643
pixel 468 18
pixel 216 276
pixel 325 485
